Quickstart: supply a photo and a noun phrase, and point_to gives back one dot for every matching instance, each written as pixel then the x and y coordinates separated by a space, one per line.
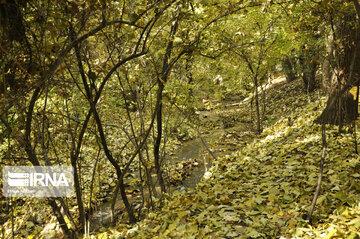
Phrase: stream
pixel 227 123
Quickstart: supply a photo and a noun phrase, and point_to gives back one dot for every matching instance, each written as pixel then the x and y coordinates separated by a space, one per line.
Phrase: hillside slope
pixel 264 188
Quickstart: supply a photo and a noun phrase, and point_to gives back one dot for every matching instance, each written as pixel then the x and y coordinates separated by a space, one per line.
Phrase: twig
pixel 317 191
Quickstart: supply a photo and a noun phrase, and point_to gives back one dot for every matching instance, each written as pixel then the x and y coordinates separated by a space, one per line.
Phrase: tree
pixel 342 106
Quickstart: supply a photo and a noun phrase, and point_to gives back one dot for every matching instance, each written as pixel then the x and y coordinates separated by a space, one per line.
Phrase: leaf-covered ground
pixel 264 189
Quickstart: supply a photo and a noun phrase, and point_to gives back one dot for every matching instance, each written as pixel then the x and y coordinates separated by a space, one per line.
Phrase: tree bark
pixel 328 63
pixel 118 170
pixel 341 106
pixel 158 138
pixel 308 61
pixel 289 69
pixel 78 193
pixel 162 79
pixel 257 106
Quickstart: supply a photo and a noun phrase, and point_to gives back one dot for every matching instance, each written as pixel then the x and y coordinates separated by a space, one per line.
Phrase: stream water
pixel 195 152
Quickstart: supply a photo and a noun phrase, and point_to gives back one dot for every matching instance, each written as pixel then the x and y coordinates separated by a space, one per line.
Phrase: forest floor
pixel 262 186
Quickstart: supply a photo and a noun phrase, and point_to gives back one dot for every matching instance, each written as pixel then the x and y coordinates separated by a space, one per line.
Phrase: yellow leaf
pixel 331 234
pixel 353 91
pixel 292 223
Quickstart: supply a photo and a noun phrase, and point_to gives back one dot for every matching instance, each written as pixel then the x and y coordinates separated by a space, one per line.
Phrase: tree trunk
pixel 257 106
pixel 118 170
pixel 328 63
pixel 163 77
pixel 69 234
pixel 341 107
pixel 309 64
pixel 309 76
pixel 289 69
pixel 158 138
pixel 78 193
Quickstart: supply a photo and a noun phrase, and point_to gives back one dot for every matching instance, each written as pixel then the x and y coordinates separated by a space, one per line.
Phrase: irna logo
pixel 38 181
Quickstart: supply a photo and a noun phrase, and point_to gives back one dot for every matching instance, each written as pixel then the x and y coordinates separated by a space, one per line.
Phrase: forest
pixel 182 118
